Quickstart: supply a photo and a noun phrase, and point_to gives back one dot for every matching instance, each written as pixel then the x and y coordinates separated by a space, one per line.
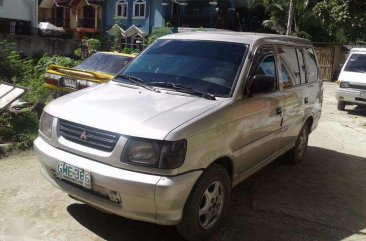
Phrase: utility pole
pixel 290 20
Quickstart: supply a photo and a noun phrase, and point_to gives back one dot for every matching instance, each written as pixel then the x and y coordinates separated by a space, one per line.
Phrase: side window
pixel 267 67
pixel 300 57
pixel 311 66
pixel 263 77
pixel 290 71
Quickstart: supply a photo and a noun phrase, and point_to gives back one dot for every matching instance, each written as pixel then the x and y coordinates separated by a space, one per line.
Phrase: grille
pixel 360 99
pixel 360 87
pixel 88 136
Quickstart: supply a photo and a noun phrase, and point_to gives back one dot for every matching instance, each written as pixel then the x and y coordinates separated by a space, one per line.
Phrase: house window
pixel 139 8
pixel 121 8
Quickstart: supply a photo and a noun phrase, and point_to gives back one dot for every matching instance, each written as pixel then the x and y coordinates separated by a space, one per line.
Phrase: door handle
pixel 306 100
pixel 279 110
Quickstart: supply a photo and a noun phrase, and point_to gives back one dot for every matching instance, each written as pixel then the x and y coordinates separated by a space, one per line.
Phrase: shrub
pixel 21 128
pixel 157 33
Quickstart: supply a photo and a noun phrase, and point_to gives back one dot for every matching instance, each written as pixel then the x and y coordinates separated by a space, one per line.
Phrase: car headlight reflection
pixel 153 153
pixel 45 124
pixel 344 84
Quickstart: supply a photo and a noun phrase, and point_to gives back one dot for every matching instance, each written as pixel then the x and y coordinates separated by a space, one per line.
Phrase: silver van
pixel 185 122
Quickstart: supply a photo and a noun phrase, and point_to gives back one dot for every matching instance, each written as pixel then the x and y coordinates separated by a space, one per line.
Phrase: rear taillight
pixel 52 79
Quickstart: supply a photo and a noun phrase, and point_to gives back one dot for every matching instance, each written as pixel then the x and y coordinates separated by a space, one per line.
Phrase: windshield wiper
pixel 137 81
pixel 183 89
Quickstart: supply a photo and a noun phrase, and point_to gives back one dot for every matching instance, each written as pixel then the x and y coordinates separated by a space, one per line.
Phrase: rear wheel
pixel 341 105
pixel 206 205
pixel 297 153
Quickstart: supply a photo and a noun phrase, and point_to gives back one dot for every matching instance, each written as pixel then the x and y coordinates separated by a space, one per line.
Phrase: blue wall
pixel 153 16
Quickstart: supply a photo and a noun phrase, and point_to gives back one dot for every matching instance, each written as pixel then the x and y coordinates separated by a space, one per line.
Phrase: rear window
pixel 104 63
pixel 356 63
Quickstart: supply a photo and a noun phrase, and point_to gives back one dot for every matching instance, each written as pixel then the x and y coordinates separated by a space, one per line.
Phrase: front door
pixel 260 112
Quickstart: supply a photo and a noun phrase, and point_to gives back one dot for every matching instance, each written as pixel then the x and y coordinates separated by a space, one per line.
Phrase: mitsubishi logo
pixel 83 136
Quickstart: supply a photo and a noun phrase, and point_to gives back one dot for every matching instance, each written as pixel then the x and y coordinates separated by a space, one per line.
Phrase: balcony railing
pixel 197 21
pixel 86 23
pixel 192 21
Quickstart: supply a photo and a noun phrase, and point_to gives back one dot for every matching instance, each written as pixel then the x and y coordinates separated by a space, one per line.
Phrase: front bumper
pixel 144 197
pixel 351 95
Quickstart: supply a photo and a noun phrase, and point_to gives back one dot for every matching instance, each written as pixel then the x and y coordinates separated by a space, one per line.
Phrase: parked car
pixel 99 68
pixel 186 121
pixel 352 80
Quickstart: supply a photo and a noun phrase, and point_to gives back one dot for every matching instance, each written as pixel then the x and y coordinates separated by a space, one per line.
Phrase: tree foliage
pixel 345 20
pixel 342 21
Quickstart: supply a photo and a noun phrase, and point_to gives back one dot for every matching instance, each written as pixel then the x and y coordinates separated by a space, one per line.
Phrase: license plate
pixel 74 174
pixel 71 83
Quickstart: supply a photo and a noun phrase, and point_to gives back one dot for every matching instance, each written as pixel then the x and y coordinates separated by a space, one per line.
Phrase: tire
pixel 341 105
pixel 206 205
pixel 297 153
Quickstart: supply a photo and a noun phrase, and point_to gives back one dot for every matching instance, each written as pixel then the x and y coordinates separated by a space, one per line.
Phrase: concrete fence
pixel 32 45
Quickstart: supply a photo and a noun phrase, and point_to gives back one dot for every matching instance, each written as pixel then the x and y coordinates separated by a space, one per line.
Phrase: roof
pixel 131 31
pixel 358 50
pixel 237 37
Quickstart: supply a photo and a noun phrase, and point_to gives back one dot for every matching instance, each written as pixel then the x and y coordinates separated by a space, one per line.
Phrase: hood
pixel 129 110
pixel 353 77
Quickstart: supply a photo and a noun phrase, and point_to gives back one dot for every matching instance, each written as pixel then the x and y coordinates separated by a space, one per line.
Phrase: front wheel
pixel 341 105
pixel 206 205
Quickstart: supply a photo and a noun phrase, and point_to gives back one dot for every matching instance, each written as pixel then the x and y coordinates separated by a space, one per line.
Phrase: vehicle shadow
pixel 322 198
pixel 358 110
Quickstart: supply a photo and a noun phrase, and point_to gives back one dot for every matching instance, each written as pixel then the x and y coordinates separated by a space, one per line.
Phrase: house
pixel 133 18
pixel 81 17
pixel 18 16
pixel 137 18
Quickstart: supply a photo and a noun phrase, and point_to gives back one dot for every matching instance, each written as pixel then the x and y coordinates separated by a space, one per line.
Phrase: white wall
pixel 20 10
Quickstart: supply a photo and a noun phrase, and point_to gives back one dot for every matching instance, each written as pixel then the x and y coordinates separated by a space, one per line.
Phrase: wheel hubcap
pixel 302 143
pixel 211 205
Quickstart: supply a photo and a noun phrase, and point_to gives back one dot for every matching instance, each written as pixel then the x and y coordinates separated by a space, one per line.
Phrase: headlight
pixel 45 124
pixel 344 84
pixel 152 153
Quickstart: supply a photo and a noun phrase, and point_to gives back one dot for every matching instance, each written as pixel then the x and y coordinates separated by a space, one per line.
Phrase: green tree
pixel 345 19
pixel 303 24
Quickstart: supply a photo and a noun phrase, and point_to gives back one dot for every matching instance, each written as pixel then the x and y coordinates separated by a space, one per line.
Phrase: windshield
pixel 105 63
pixel 356 63
pixel 205 66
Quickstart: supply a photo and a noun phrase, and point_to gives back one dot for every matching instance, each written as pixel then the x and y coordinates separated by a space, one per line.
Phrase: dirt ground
pixel 324 198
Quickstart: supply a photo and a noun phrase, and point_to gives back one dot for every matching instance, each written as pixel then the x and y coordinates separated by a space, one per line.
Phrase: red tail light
pixel 52 79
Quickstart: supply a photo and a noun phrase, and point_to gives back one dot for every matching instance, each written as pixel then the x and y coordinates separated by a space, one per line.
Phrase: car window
pixel 356 63
pixel 205 66
pixel 104 63
pixel 290 67
pixel 300 57
pixel 311 66
pixel 264 80
pixel 267 67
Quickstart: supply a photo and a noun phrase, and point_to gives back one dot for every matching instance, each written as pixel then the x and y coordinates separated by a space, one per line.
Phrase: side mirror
pixel 262 84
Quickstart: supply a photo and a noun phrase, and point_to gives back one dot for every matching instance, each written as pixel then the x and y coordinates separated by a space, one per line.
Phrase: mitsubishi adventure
pixel 187 120
pixel 352 80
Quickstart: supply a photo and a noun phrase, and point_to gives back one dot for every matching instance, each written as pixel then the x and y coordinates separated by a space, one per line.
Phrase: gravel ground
pixel 321 199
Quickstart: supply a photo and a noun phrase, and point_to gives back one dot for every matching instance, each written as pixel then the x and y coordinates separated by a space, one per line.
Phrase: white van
pixel 186 121
pixel 352 80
